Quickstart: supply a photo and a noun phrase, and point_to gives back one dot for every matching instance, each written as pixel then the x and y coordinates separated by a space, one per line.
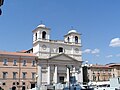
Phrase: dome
pixel 72 31
pixel 41 25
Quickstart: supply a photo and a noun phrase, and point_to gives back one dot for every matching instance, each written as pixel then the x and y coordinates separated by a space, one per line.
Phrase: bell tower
pixel 72 37
pixel 40 35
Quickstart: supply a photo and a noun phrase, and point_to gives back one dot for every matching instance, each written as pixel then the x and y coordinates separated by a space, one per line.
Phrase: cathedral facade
pixel 59 61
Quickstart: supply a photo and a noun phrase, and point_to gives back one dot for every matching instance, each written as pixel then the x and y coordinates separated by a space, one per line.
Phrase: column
pixel 55 75
pixel 68 75
pixel 39 76
pixel 48 78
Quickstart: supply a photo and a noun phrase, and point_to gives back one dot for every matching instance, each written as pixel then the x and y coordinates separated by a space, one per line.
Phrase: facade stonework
pixel 58 60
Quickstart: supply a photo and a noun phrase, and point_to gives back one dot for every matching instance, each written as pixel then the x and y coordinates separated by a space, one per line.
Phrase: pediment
pixel 63 57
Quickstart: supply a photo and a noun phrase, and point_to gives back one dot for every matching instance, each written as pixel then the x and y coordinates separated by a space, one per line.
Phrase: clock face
pixel 76 50
pixel 44 47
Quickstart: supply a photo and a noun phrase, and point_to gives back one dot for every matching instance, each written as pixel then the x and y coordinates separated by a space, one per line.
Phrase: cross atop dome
pixel 72 30
pixel 41 24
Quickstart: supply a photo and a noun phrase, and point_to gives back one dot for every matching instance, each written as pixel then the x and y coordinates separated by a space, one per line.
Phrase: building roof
pixel 113 64
pixel 22 51
pixel 17 53
pixel 100 66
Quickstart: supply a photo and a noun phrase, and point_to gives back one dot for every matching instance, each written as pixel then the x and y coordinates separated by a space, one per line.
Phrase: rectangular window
pixel 4 75
pixel 24 62
pixel 24 75
pixel 15 62
pixel 60 49
pixel 33 75
pixel 5 62
pixel 109 70
pixel 14 75
pixel 33 63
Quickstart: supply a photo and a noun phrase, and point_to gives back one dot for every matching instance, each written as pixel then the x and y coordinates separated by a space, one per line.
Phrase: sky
pixel 97 20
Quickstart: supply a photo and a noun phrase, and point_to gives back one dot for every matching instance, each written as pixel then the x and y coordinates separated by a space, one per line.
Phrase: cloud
pixel 94 51
pixel 87 51
pixel 109 56
pixel 115 42
pixel 97 55
pixel 118 55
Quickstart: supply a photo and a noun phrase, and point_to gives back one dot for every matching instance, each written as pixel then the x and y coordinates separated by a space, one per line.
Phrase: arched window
pixel 35 36
pixel 43 35
pixel 76 39
pixel 68 39
pixel 60 49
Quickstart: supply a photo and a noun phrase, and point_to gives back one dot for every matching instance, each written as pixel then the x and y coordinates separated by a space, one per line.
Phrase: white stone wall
pixel 46 48
pixel 53 49
pixel 36 49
